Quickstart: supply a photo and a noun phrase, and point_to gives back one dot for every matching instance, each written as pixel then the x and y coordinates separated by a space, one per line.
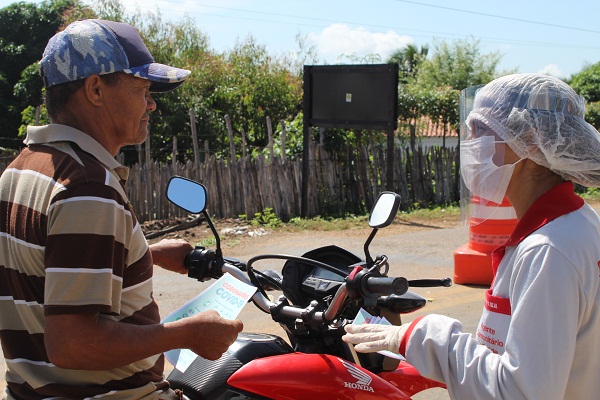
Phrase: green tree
pixel 592 114
pixel 409 59
pixel 25 29
pixel 459 64
pixel 255 85
pixel 587 82
pixel 245 83
pixel 435 89
pixel 184 45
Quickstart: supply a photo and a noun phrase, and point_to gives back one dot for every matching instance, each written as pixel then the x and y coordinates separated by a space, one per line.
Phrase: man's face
pixel 129 105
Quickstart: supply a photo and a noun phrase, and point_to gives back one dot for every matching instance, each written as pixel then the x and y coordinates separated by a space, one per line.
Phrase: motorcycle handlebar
pixel 446 282
pixel 372 284
pixel 383 285
pixel 261 301
pixel 295 312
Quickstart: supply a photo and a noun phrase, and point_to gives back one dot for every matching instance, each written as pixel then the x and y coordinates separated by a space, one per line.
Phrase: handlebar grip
pixel 200 262
pixel 385 285
pixel 445 282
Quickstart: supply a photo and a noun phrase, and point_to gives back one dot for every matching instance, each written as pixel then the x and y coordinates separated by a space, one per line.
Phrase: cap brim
pixel 164 77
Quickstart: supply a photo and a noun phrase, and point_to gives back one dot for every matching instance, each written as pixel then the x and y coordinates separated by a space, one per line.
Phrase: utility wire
pixel 421 33
pixel 528 21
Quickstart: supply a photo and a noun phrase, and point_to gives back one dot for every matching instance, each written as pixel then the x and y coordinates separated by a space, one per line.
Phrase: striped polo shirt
pixel 70 243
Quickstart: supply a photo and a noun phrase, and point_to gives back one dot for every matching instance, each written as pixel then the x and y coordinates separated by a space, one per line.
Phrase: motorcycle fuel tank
pixel 299 376
pixel 205 379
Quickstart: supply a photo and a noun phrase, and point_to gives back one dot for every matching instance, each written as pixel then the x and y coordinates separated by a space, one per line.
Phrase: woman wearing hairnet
pixel 539 335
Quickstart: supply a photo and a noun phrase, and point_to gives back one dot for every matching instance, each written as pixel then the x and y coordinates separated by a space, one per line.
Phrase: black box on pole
pixel 351 96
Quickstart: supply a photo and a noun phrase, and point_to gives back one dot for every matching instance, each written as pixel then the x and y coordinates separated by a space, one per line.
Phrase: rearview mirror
pixel 385 209
pixel 187 194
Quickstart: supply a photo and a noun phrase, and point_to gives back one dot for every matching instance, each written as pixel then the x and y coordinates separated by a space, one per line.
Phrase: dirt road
pixel 416 250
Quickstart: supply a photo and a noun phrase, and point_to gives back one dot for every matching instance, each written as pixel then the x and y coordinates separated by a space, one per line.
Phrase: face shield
pixel 542 119
pixel 485 174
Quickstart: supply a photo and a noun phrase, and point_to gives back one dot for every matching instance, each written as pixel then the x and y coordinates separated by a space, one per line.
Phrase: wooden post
pixel 305 141
pixel 174 156
pixel 283 140
pixel 270 133
pixel 194 136
pixel 244 149
pixel 390 160
pixel 147 150
pixel 305 167
pixel 231 143
pixel 148 178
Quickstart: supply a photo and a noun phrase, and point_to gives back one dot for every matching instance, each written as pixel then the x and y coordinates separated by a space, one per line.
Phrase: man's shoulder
pixel 63 162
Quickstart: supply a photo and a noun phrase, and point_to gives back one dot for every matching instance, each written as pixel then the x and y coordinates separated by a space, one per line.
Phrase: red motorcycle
pixel 322 291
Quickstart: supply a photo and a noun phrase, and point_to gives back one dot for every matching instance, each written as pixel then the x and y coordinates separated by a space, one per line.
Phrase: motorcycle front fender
pixel 300 376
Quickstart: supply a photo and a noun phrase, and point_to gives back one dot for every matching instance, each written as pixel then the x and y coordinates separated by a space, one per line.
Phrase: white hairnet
pixel 542 118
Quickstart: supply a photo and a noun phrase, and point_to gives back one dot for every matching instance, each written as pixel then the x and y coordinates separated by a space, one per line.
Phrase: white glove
pixel 370 338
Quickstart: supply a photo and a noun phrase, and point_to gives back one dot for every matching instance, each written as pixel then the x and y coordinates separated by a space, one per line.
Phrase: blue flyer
pixel 227 296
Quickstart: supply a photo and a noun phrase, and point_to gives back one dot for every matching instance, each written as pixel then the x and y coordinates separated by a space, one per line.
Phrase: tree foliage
pixel 256 86
pixel 247 83
pixel 587 84
pixel 25 29
pixel 458 65
pixel 432 85
pixel 431 81
pixel 409 60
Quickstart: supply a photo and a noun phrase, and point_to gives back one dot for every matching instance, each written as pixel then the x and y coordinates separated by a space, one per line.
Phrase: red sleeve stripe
pixel 406 337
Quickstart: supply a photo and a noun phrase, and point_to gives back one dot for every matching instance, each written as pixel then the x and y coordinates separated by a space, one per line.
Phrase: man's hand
pixel 370 338
pixel 210 334
pixel 170 254
pixel 90 342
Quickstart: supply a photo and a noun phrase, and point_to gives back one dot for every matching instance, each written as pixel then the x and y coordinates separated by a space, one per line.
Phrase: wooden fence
pixel 347 182
pixel 343 182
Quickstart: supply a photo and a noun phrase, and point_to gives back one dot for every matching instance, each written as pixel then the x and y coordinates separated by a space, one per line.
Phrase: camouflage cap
pixel 101 47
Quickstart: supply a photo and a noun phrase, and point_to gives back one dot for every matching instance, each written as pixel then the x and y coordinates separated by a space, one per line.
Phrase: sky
pixel 554 37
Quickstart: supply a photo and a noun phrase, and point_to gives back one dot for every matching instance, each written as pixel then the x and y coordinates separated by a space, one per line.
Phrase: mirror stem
pixel 367 243
pixel 218 251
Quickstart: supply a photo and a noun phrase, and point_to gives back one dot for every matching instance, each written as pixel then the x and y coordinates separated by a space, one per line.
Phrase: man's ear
pixel 94 90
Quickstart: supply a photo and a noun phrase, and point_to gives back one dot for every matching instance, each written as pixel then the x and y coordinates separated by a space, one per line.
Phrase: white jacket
pixel 539 335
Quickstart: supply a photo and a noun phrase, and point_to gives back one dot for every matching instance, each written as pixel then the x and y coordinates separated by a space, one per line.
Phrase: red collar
pixel 558 201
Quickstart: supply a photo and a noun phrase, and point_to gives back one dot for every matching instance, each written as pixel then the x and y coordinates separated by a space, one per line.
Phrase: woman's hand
pixel 370 338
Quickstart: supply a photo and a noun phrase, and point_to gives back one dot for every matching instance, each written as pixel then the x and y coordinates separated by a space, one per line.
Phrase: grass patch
pixel 591 195
pixel 211 242
pixel 449 213
pixel 436 213
pixel 208 242
pixel 325 224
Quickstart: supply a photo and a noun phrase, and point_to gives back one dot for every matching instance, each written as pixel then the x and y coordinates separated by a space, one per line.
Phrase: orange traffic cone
pixel 489 228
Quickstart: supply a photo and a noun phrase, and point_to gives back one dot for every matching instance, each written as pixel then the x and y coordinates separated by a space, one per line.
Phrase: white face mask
pixel 480 174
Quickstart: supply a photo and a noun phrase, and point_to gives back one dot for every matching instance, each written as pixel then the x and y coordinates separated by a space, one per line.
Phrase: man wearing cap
pixel 78 319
